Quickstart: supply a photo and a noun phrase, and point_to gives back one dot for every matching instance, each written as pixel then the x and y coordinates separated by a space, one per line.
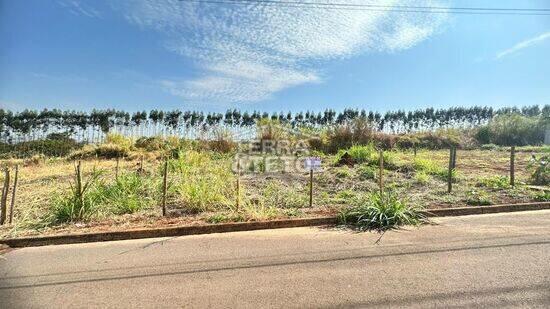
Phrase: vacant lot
pixel 203 188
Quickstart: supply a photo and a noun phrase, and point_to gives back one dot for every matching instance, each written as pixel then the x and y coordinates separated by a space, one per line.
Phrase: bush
pixel 512 130
pixel 202 184
pixel 478 198
pixel 357 132
pixel 106 151
pixel 119 140
pixel 421 177
pixel 429 167
pixel 540 170
pixel 489 147
pixel 79 203
pixel 128 194
pixel 47 147
pixel 380 211
pixel 495 182
pixel 366 172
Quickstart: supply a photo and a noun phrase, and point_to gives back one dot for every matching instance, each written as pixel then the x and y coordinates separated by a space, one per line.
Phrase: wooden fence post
pixel 238 201
pixel 4 199
pixel 381 171
pixel 116 167
pixel 451 168
pixel 12 204
pixel 512 165
pixel 311 187
pixel 164 186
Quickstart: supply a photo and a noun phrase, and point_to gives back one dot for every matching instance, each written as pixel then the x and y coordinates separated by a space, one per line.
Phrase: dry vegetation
pixel 202 188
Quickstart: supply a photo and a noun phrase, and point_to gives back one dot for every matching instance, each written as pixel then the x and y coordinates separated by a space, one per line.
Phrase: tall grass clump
pixel 513 129
pixel 80 202
pixel 201 183
pixel 429 167
pixel 368 154
pixel 129 193
pixel 277 195
pixel 381 212
pixel 540 170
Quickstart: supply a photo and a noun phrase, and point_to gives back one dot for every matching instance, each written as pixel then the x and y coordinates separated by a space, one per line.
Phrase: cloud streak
pixel 246 53
pixel 524 44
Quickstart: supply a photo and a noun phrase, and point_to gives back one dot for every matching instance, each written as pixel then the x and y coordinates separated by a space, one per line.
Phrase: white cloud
pixel 246 53
pixel 79 8
pixel 524 44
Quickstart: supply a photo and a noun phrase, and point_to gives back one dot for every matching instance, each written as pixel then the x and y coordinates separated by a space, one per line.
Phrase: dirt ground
pixel 334 187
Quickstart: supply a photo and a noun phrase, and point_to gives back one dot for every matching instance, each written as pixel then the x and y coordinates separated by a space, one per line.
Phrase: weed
pixel 540 170
pixel 343 172
pixel 277 195
pixel 366 172
pixel 478 198
pixel 128 194
pixel 421 177
pixel 202 184
pixel 430 167
pixel 80 202
pixel 494 182
pixel 381 211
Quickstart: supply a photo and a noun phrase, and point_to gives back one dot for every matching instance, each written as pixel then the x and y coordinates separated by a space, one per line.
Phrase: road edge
pixel 243 226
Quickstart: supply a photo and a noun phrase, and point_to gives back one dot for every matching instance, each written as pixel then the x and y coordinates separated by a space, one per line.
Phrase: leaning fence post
pixel 164 186
pixel 311 187
pixel 238 201
pixel 512 165
pixel 12 204
pixel 4 199
pixel 381 171
pixel 116 167
pixel 450 173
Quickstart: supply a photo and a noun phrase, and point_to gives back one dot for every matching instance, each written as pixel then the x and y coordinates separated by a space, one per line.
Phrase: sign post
pixel 312 163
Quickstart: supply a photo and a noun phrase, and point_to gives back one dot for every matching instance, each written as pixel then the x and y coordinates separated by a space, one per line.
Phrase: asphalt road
pixel 500 260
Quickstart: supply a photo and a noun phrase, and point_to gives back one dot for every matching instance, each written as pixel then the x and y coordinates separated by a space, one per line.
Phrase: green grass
pixel 421 177
pixel 366 172
pixel 430 167
pixel 277 195
pixel 478 198
pixel 380 212
pixel 129 193
pixel 495 182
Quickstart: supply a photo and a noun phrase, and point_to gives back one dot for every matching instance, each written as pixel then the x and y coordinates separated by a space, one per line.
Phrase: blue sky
pixel 169 54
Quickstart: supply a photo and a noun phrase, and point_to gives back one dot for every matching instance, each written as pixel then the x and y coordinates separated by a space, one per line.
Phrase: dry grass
pixel 40 180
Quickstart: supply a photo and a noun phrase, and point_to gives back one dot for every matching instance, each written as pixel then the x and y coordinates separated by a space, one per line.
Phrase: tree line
pixel 35 124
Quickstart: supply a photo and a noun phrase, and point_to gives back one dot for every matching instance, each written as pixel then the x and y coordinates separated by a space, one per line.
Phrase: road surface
pixel 500 260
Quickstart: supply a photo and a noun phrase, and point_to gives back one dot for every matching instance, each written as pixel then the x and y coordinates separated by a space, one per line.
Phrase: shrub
pixel 542 196
pixel 47 147
pixel 79 203
pixel 119 140
pixel 512 129
pixel 128 194
pixel 540 170
pixel 223 142
pixel 380 211
pixel 366 172
pixel 495 182
pixel 478 198
pixel 202 184
pixel 421 177
pixel 153 143
pixel 343 172
pixel 356 132
pixel 106 151
pixel 489 147
pixel 430 167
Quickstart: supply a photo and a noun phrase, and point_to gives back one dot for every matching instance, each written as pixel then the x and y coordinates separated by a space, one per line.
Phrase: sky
pixel 171 54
